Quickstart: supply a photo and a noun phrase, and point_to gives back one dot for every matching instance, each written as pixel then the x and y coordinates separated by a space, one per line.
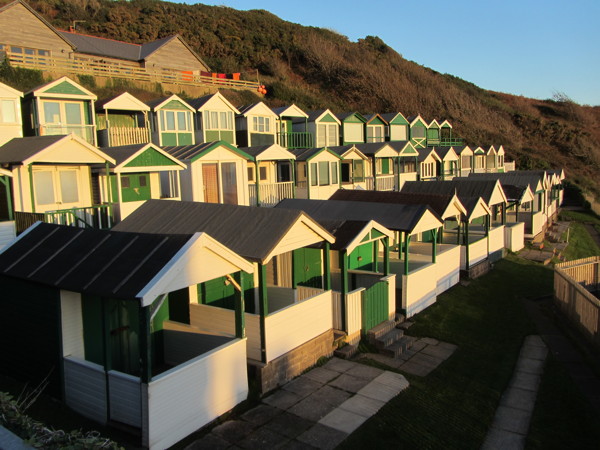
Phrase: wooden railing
pixel 85 132
pixel 272 193
pixel 98 216
pixel 509 166
pixel 24 220
pixel 573 282
pixel 384 183
pixel 96 67
pixel 117 136
pixel 295 139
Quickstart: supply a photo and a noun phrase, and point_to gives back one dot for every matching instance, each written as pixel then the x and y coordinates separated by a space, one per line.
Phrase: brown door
pixel 210 178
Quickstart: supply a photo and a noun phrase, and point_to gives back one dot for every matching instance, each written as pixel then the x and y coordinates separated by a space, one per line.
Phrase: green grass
pixel 454 405
pixel 581 244
pixel 562 418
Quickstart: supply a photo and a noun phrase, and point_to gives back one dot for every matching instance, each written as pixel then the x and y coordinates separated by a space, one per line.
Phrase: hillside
pixel 317 68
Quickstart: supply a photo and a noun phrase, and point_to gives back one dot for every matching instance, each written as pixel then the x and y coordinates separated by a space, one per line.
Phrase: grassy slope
pixel 317 68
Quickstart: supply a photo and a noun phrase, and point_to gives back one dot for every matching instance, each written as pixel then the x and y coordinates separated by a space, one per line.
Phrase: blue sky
pixel 529 47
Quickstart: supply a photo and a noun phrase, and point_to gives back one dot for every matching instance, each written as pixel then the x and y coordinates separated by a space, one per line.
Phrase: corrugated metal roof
pixel 514 178
pixel 249 231
pixel 97 262
pixel 314 115
pixel 371 148
pixel 18 150
pixel 463 187
pixel 123 152
pixel 191 152
pixel 437 202
pixel 393 216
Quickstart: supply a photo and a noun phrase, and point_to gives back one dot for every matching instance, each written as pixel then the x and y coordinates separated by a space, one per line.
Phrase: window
pixel 398 133
pixel 251 174
pixel 314 178
pixel 56 188
pixel 262 173
pixel 354 132
pixel 65 118
pixel 175 120
pixel 427 170
pixel 334 173
pixel 261 124
pixel 407 165
pixel 375 133
pixel 169 187
pixel 384 166
pixel 218 120
pixel 465 161
pixel 327 135
pixel 125 182
pixel 284 172
pixel 8 113
pixel 418 132
pixel 358 170
pixel 323 173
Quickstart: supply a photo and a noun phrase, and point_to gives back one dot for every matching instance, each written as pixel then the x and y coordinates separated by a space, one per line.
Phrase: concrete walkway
pixel 316 410
pixel 511 422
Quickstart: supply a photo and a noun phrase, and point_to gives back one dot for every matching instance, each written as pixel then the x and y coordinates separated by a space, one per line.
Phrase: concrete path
pixel 316 410
pixel 425 355
pixel 511 422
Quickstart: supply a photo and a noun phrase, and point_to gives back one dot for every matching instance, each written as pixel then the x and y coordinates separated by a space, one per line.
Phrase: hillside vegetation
pixel 317 68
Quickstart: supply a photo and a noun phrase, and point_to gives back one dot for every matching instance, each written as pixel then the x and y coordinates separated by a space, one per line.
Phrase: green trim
pixel 67 88
pixel 407 244
pixel 225 144
pixel 30 169
pixel 434 233
pixel 240 325
pixel 399 119
pixel 7 185
pixel 344 286
pixel 355 118
pixel 324 149
pixel 144 344
pixel 327 266
pixel 376 121
pixel 175 105
pixel 328 118
pixel 263 307
pixel 386 256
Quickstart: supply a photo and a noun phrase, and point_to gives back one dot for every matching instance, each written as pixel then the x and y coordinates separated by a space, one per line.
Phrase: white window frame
pixel 176 124
pixel 375 133
pixel 261 124
pixel 211 124
pixel 17 120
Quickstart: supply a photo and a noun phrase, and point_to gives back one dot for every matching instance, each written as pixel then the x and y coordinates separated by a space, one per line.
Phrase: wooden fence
pixel 112 69
pixel 573 282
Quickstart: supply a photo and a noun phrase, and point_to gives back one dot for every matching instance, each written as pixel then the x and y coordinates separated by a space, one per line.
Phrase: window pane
pixel 181 121
pixel 314 178
pixel 8 111
pixel 267 124
pixel 143 181
pixel 44 188
pixel 262 171
pixel 125 182
pixel 168 184
pixel 69 191
pixel 321 135
pixel 228 178
pixel 323 173
pixel 250 173
pixel 359 170
pixel 52 112
pixel 16 49
pixel 73 112
pixel 334 173
pixel 170 116
pixel 332 137
pixel 223 120
pixel 214 120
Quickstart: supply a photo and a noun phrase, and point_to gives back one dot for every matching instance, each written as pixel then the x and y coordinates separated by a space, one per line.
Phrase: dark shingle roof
pixel 341 149
pixel 437 202
pixel 198 103
pixel 18 150
pixel 442 152
pixel 97 262
pixel 392 216
pixel 371 148
pixel 187 152
pixel 314 115
pixel 463 187
pixel 249 231
pixel 304 154
pixel 122 152
pixel 514 178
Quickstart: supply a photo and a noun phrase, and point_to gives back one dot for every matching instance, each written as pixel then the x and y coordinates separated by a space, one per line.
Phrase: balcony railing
pixel 86 132
pixel 509 166
pixel 271 193
pixel 445 142
pixel 295 139
pixel 384 183
pixel 97 216
pixel 125 136
pixel 102 68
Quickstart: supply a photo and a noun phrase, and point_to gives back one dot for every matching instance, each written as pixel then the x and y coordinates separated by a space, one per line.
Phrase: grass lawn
pixel 453 406
pixel 581 244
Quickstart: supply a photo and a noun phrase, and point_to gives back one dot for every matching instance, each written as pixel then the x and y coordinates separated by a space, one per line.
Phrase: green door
pixel 135 187
pixel 124 336
pixel 361 258
pixel 374 305
pixel 221 293
pixel 307 267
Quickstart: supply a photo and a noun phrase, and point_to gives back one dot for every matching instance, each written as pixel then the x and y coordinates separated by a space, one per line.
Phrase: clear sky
pixel 528 47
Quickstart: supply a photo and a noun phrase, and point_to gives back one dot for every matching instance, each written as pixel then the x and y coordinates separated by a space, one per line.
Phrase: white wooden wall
pixel 85 388
pixel 419 289
pixel 448 267
pixel 7 234
pixel 125 398
pixel 514 236
pixel 496 237
pixel 181 401
pixel 477 252
pixel 72 324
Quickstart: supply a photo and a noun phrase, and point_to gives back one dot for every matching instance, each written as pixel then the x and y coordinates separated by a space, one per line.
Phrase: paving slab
pixel 343 420
pixel 512 419
pixel 363 406
pixel 382 359
pixel 430 341
pixel 312 408
pixel 282 399
pixel 392 380
pixel 437 351
pixel 427 360
pixel 302 386
pixel 535 340
pixel 363 371
pixel 533 352
pixel 448 345
pixel 261 414
pixel 338 365
pixel 528 365
pixel 503 440
pixel 209 442
pixel 524 380
pixel 263 438
pixel 379 391
pixel 417 369
pixel 297 445
pixel 519 399
pixel 349 383
pixel 289 425
pixel 233 430
pixel 321 375
pixel 331 395
pixel 322 437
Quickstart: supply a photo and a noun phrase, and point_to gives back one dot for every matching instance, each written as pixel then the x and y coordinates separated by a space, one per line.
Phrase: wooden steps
pixel 389 339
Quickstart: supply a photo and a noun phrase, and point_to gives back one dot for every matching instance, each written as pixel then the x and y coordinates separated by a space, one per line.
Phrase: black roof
pixel 18 150
pixel 344 231
pixel 463 187
pixel 341 149
pixel 437 202
pixel 304 154
pixel 443 151
pixel 249 231
pixel 393 216
pixel 370 148
pixel 514 178
pixel 198 103
pixel 123 152
pixel 96 262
